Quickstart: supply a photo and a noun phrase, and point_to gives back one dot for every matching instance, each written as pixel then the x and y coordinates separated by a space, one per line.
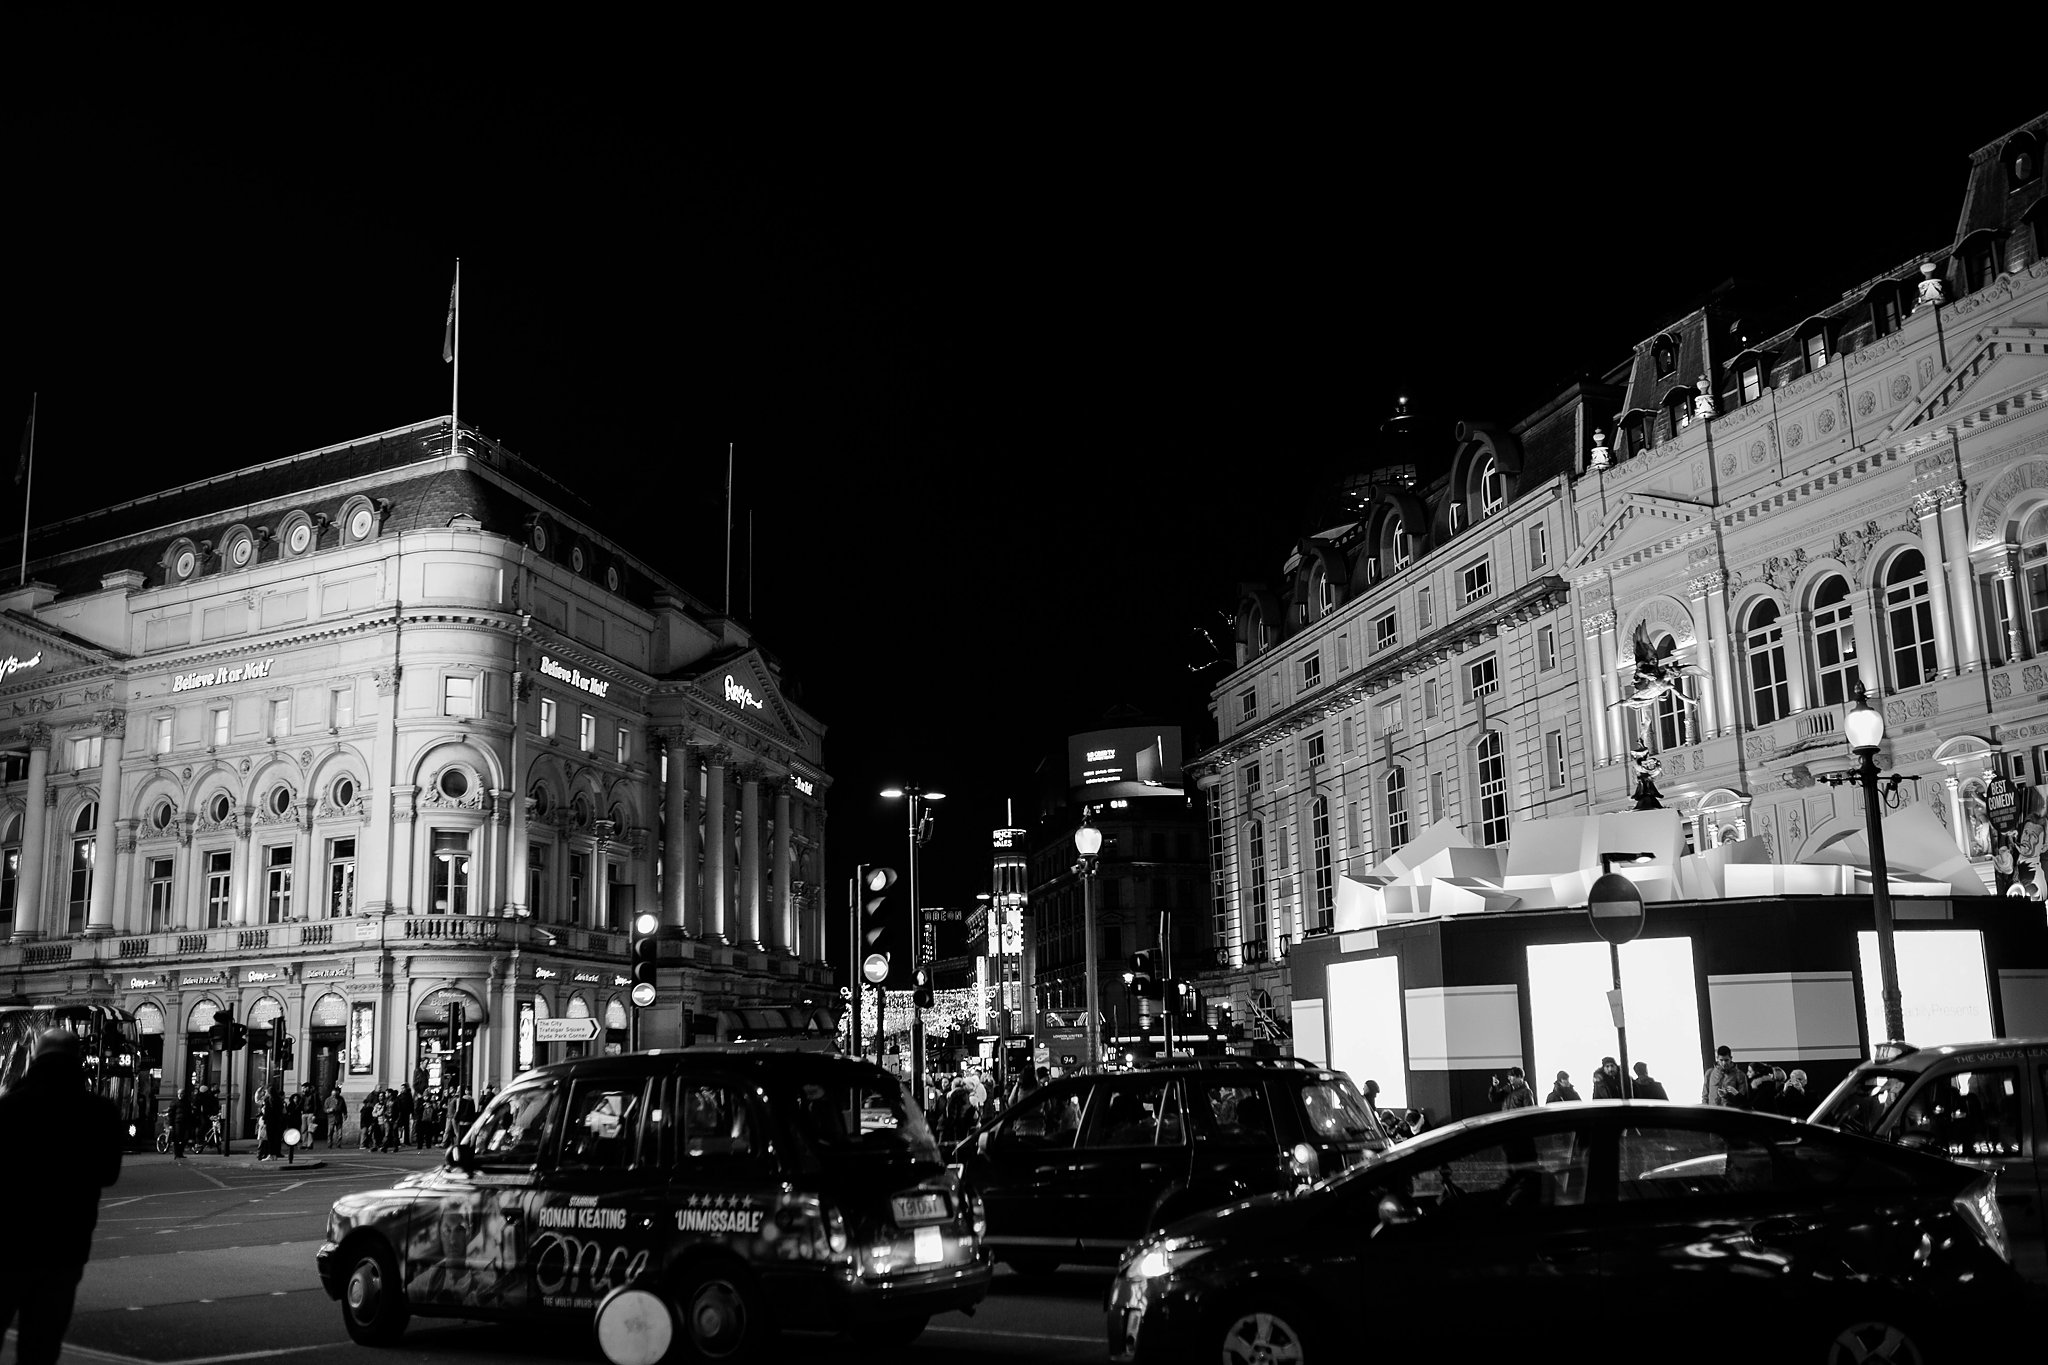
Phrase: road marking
pixel 88 1353
pixel 294 1185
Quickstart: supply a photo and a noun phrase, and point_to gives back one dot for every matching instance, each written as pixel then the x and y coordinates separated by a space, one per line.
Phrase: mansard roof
pixel 1993 200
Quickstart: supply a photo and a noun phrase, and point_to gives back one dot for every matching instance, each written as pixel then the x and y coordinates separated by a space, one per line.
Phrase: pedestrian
pixel 337 1116
pixel 1764 1087
pixel 1725 1083
pixel 1792 1101
pixel 367 1118
pixel 180 1115
pixel 464 1114
pixel 401 1116
pixel 960 1113
pixel 1646 1088
pixel 1607 1080
pixel 270 1126
pixel 309 1118
pixel 387 1126
pixel 1562 1092
pixel 66 1142
pixel 1512 1091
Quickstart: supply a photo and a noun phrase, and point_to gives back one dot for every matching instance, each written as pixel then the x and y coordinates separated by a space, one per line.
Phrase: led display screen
pixel 1133 761
pixel 1365 1026
pixel 1573 1027
pixel 1942 986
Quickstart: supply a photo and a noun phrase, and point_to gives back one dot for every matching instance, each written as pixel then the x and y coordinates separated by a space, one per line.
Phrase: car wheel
pixel 1266 1332
pixel 373 1306
pixel 1873 1338
pixel 890 1334
pixel 719 1313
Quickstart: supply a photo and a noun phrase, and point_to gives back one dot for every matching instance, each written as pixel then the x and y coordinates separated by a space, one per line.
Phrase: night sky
pixel 1029 349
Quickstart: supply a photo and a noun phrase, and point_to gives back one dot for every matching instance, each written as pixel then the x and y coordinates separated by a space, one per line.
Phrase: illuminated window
pixel 1324 869
pixel 1814 346
pixel 1386 632
pixel 84 843
pixel 458 696
pixel 1666 357
pixel 1478 580
pixel 622 748
pixel 1677 411
pixel 586 738
pixel 1397 808
pixel 1400 544
pixel 547 718
pixel 1492 488
pixel 451 872
pixel 1322 591
pixel 1886 312
pixel 1834 641
pixel 1763 645
pixel 1909 619
pixel 1750 377
pixel 1255 922
pixel 341 877
pixel 220 889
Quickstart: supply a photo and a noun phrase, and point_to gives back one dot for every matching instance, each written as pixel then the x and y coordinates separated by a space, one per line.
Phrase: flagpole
pixel 455 388
pixel 728 528
pixel 29 493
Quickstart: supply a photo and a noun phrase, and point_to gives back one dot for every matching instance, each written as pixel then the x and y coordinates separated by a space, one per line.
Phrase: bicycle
pixel 216 1136
pixel 163 1133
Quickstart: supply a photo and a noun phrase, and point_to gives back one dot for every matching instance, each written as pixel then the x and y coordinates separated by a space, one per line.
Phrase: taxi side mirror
pixel 462 1157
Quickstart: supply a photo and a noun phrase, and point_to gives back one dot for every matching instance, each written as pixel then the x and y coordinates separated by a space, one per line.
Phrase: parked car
pixel 1983 1104
pixel 704 1195
pixel 1663 1229
pixel 1078 1170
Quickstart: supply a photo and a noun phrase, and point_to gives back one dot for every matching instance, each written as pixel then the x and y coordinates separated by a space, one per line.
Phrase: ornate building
pixel 387 741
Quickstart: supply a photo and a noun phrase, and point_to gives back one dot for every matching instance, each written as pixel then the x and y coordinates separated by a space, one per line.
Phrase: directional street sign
pixel 564 1030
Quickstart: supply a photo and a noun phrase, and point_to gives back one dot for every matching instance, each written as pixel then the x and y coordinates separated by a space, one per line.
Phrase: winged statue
pixel 1654 673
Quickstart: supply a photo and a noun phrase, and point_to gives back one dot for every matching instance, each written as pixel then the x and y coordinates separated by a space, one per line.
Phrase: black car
pixel 1669 1230
pixel 706 1194
pixel 1077 1171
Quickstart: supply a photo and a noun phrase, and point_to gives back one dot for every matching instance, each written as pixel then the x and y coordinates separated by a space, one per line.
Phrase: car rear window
pixel 1863 1102
pixel 861 1120
pixel 1336 1112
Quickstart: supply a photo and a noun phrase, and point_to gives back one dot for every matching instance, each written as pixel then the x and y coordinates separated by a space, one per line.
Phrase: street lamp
pixel 1088 844
pixel 920 835
pixel 1864 727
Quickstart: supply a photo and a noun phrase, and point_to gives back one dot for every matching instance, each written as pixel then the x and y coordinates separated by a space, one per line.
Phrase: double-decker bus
pixel 111 1047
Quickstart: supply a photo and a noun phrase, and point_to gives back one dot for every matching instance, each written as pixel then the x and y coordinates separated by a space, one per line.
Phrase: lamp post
pixel 920 834
pixel 1864 727
pixel 1088 844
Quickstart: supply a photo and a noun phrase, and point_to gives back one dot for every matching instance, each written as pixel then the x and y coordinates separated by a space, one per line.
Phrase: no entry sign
pixel 1616 908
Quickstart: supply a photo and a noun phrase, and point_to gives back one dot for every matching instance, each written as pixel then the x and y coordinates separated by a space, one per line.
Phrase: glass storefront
pixel 1574 1027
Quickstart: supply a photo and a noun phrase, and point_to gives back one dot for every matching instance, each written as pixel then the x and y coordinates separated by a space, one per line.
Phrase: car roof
pixel 1905 1057
pixel 762 1056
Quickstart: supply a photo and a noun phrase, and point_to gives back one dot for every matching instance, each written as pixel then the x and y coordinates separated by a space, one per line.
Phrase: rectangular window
pixel 1343 652
pixel 1752 378
pixel 1349 737
pixel 277 884
pixel 537 880
pixel 1478 580
pixel 1255 920
pixel 341 877
pixel 623 750
pixel 1553 753
pixel 1884 313
pixel 458 696
pixel 1254 778
pixel 85 753
pixel 1386 632
pixel 10 881
pixel 1484 677
pixel 1312 671
pixel 1439 804
pixel 162 889
pixel 1425 608
pixel 1429 702
pixel 579 872
pixel 162 741
pixel 1324 867
pixel 1816 346
pixel 82 851
pixel 547 717
pixel 220 889
pixel 1312 755
pixel 280 717
pixel 1539 545
pixel 1546 648
pixel 451 872
pixel 341 708
pixel 1397 809
pixel 1248 703
pixel 586 736
pixel 1390 717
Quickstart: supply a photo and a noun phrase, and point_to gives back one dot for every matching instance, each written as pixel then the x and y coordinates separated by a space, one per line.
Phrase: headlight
pixel 1163 1258
pixel 1303 1165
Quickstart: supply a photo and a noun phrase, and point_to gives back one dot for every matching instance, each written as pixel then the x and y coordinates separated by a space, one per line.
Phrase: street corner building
pixel 1631 625
pixel 383 745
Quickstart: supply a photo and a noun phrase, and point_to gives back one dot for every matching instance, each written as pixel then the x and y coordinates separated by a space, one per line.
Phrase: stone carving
pixel 1899 710
pixel 1780 571
pixel 1794 436
pixel 36 736
pixel 1729 463
pixel 1824 421
pixel 2012 483
pixel 1793 827
pixel 2033 678
pixel 1757 453
pixel 1853 547
pixel 1699 476
pixel 2001 686
pixel 1798 776
pixel 1703 405
pixel 1866 403
pixel 1902 388
pixel 1926 369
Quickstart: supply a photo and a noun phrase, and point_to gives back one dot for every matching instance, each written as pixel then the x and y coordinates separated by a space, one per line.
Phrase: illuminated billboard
pixel 1104 765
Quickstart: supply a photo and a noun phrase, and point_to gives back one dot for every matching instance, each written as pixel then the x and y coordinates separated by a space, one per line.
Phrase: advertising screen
pixel 1104 765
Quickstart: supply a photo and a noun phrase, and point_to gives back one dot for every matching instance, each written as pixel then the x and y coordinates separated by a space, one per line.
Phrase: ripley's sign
pixel 213 677
pixel 11 664
pixel 596 687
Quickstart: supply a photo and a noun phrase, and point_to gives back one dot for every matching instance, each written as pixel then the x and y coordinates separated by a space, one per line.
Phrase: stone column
pixel 35 824
pixel 751 934
pixel 1961 581
pixel 1600 626
pixel 678 833
pixel 1927 507
pixel 309 889
pixel 506 1009
pixel 405 813
pixel 99 914
pixel 1706 689
pixel 188 912
pixel 2002 576
pixel 786 936
pixel 1792 627
pixel 717 837
pixel 246 900
pixel 1722 663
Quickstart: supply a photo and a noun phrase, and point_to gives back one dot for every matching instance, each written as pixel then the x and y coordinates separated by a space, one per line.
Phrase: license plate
pixel 928 1246
pixel 912 1209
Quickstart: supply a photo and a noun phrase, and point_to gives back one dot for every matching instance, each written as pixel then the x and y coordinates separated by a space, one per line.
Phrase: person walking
pixel 1563 1092
pixel 68 1141
pixel 387 1123
pixel 180 1115
pixel 1725 1083
pixel 337 1116
pixel 367 1118
pixel 1512 1091
pixel 463 1114
pixel 401 1116
pixel 270 1137
pixel 1607 1080
pixel 1644 1086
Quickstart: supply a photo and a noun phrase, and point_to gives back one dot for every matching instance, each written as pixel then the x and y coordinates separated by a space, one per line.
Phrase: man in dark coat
pixel 273 1124
pixel 1645 1087
pixel 1607 1080
pixel 179 1118
pixel 70 1140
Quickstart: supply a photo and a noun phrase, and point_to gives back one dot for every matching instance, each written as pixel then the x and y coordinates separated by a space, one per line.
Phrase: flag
pixel 28 444
pixel 454 305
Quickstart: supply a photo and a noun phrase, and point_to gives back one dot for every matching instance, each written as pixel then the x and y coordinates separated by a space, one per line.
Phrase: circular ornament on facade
pixel 241 552
pixel 1902 389
pixel 281 801
pixel 1794 436
pixel 1728 462
pixel 299 538
pixel 1866 403
pixel 220 807
pixel 580 809
pixel 537 535
pixel 185 564
pixel 1824 420
pixel 611 577
pixel 1757 454
pixel 343 791
pixel 361 524
pixel 454 784
pixel 162 816
pixel 578 560
pixel 542 803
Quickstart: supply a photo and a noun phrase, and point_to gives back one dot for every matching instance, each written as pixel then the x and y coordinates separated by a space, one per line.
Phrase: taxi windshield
pixel 870 1118
pixel 1862 1102
pixel 1336 1111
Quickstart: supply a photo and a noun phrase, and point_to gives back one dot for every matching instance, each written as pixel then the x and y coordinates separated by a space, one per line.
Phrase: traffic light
pixel 646 958
pixel 922 996
pixel 1187 1000
pixel 1143 977
pixel 284 1048
pixel 228 1035
pixel 874 925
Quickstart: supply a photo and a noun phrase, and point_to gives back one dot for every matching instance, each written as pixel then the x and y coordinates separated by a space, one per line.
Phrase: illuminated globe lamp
pixel 1088 845
pixel 1864 729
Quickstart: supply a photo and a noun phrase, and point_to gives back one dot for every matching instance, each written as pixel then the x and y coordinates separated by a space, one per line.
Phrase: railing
pixel 247 940
pixel 1817 724
pixel 133 947
pixel 316 933
pixel 44 954
pixel 191 943
pixel 451 926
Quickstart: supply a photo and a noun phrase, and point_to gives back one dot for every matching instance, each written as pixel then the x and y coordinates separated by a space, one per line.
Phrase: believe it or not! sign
pixel 576 678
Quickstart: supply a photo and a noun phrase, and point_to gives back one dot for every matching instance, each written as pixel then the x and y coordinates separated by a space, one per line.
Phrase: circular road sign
pixel 1616 908
pixel 875 967
pixel 643 993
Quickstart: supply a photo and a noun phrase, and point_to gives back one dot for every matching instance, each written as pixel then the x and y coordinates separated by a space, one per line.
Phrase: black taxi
pixel 685 1202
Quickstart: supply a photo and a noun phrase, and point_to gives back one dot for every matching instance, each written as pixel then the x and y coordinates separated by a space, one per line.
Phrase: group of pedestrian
pixel 953 1108
pixel 1762 1086
pixel 1511 1089
pixel 191 1115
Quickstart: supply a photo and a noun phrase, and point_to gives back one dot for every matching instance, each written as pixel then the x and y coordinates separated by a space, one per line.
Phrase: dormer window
pixel 1980 261
pixel 1677 411
pixel 1813 345
pixel 1638 434
pixel 1887 314
pixel 1665 356
pixel 1492 489
pixel 1749 377
pixel 1397 542
pixel 2022 159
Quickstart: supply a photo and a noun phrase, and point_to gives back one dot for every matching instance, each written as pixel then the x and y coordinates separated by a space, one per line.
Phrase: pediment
pixel 31 655
pixel 1997 374
pixel 743 685
pixel 1643 525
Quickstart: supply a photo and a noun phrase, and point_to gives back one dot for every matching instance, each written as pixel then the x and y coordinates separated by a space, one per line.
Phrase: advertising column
pixel 99 920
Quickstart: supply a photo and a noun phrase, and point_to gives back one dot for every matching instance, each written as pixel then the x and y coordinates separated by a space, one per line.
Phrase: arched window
pixel 10 869
pixel 1909 619
pixel 1834 642
pixel 1397 809
pixel 1492 488
pixel 1321 591
pixel 84 839
pixel 1255 907
pixel 451 872
pixel 1673 727
pixel 1677 412
pixel 2034 577
pixel 1665 355
pixel 1324 867
pixel 1493 788
pixel 1763 644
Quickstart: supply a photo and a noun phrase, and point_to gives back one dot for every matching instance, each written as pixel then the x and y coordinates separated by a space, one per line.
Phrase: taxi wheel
pixel 373 1306
pixel 1873 1338
pixel 1266 1332
pixel 720 1319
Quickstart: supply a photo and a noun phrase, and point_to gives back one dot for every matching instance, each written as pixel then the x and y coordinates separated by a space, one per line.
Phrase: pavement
pixel 318 1159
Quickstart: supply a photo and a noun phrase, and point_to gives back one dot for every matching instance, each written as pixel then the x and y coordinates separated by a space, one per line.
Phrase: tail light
pixel 1979 1206
pixel 808 1229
